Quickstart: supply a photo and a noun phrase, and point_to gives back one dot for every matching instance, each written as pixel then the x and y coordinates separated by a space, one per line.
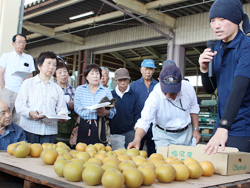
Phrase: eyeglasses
pixel 20 42
pixel 177 106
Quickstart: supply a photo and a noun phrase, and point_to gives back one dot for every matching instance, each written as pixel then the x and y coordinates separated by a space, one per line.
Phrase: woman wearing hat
pixel 65 128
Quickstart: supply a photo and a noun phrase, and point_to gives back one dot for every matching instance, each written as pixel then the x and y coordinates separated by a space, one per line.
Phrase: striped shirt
pixel 84 98
pixel 34 95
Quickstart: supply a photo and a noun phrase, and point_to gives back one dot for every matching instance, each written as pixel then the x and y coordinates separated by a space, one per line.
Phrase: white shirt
pixel 119 93
pixel 34 95
pixel 12 62
pixel 160 111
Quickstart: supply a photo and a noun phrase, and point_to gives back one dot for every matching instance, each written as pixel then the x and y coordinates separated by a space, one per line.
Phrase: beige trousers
pixel 10 98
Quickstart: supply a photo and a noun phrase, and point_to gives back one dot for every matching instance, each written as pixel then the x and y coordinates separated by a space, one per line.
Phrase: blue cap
pixel 148 63
pixel 170 79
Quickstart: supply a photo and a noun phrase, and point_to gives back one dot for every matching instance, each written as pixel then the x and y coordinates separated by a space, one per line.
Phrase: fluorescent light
pixel 160 63
pixel 81 15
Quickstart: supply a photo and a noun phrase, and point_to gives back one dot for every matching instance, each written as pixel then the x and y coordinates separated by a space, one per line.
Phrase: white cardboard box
pixel 227 162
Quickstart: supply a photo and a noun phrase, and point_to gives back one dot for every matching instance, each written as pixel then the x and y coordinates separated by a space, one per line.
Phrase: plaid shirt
pixel 70 90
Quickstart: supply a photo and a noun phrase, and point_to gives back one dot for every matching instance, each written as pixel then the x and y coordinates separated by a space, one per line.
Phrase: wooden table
pixel 32 179
pixel 33 176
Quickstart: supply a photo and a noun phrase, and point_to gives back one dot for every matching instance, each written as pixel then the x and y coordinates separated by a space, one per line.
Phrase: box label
pixel 239 168
pixel 182 155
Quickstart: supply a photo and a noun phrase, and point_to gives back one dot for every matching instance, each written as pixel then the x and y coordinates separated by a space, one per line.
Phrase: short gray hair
pixel 105 68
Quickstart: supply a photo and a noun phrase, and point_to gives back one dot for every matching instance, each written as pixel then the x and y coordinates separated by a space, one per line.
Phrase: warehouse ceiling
pixel 47 22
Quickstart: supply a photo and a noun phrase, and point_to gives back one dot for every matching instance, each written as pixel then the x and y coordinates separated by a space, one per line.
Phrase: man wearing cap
pixel 127 107
pixel 143 87
pixel 172 108
pixel 231 67
pixel 164 64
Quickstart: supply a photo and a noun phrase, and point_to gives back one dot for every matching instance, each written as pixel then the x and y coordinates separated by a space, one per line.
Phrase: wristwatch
pixel 196 128
pixel 223 123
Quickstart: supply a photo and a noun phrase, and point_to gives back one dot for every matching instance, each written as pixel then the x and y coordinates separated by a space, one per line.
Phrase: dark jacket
pixel 127 112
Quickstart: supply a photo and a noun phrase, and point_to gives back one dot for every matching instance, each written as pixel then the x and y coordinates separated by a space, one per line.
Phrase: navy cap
pixel 170 79
pixel 168 62
pixel 149 63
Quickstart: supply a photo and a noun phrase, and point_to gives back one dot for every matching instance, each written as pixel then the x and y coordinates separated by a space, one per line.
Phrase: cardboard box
pixel 207 131
pixel 227 162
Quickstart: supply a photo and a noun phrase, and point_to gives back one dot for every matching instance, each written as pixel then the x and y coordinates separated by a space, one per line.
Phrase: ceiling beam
pixel 88 21
pixel 190 61
pixel 198 51
pixel 51 9
pixel 33 36
pixel 154 53
pixel 96 19
pixel 135 52
pixel 141 9
pixel 49 32
pixel 162 3
pixel 124 60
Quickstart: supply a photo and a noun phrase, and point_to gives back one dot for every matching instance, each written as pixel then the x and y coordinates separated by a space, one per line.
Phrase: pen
pixel 40 118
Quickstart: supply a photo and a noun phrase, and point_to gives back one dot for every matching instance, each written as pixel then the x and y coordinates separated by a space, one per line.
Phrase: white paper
pixel 66 98
pixel 21 74
pixel 193 142
pixel 54 118
pixel 94 107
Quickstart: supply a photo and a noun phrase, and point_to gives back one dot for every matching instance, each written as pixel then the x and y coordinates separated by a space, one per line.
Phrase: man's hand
pixel 220 138
pixel 71 105
pixel 205 58
pixel 101 112
pixel 34 115
pixel 134 144
pixel 30 76
pixel 196 134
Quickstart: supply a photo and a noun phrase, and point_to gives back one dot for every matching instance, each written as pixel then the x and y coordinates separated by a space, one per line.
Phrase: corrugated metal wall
pixel 193 29
pixel 106 39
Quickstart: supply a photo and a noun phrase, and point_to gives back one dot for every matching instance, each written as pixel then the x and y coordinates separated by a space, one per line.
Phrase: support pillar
pixel 9 13
pixel 101 60
pixel 74 65
pixel 179 58
pixel 85 58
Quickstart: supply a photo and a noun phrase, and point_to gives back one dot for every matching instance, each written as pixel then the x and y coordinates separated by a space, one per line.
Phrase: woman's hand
pixel 71 105
pixel 102 112
pixel 35 116
pixel 62 120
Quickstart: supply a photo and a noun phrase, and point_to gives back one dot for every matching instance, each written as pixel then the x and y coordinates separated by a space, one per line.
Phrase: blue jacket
pixel 227 64
pixel 127 112
pixel 14 133
pixel 140 88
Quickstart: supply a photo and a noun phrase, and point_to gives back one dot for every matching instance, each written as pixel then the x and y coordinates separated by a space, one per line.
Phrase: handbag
pixel 74 134
pixel 107 128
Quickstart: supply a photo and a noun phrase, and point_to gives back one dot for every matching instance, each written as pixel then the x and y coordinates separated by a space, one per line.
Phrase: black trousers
pixel 242 143
pixel 149 142
pixel 88 132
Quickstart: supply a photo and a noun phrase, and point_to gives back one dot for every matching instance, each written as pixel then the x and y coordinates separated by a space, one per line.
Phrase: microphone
pixel 210 44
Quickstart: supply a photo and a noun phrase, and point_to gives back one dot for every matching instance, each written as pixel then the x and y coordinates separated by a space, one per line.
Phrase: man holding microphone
pixel 230 75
